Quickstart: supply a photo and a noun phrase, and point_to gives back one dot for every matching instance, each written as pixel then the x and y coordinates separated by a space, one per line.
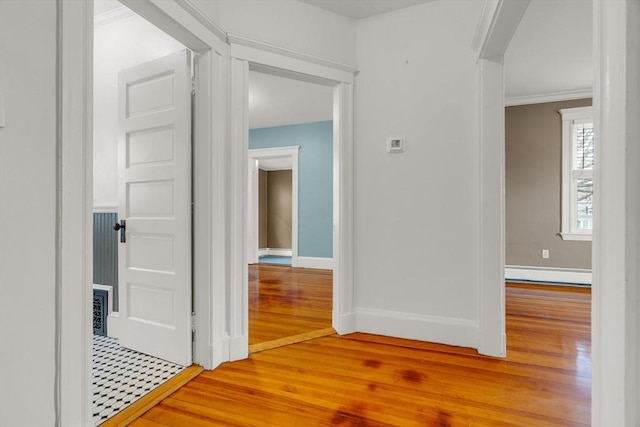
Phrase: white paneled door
pixel 154 200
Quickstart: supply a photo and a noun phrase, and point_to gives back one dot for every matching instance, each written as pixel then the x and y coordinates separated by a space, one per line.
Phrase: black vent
pixel 99 312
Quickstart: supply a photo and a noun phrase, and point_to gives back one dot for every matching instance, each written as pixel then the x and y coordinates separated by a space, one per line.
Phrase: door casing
pixel 253 55
pixel 220 269
pixel 73 332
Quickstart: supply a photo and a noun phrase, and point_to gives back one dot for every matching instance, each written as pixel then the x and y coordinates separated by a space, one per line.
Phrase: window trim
pixel 570 116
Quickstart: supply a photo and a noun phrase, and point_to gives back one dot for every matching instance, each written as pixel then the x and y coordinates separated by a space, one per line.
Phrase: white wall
pixel 416 236
pixel 293 25
pixel 27 212
pixel 117 46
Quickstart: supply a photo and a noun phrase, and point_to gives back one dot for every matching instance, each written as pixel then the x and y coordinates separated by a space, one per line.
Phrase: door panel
pixel 154 196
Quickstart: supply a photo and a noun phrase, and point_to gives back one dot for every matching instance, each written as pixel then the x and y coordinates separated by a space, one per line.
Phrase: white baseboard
pixel 274 252
pixel 548 274
pixel 238 348
pixel 315 262
pixel 113 325
pixel 444 330
pixel 216 354
pixel 105 209
pixel 345 324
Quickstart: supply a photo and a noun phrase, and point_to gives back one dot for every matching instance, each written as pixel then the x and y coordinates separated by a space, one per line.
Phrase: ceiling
pixel 102 6
pixel 277 101
pixel 551 51
pixel 359 9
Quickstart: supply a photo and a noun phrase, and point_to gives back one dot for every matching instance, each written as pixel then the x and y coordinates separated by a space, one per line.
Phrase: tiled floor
pixel 121 376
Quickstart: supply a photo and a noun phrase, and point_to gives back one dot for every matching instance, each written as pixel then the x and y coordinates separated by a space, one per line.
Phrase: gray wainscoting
pixel 105 252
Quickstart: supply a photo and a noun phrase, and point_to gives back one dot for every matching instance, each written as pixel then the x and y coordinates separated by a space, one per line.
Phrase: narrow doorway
pixel 274 214
pixel 290 192
pixel 141 157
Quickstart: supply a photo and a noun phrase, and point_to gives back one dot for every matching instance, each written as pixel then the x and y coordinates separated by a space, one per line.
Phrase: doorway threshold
pixel 293 339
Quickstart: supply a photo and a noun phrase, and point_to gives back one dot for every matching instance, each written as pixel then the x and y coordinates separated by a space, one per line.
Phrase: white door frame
pixel 497 24
pixel 290 152
pixel 615 299
pixel 263 57
pixel 616 236
pixel 75 198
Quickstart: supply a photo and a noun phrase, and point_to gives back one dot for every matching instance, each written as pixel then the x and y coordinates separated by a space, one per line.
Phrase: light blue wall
pixel 315 180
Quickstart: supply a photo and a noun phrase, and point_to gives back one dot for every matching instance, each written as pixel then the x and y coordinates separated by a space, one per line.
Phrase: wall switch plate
pixel 545 253
pixel 396 144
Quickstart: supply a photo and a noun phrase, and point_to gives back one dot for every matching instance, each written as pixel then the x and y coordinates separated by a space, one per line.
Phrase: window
pixel 577 173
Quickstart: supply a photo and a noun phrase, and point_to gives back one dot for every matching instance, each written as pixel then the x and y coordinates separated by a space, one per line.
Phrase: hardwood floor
pixel 285 301
pixel 367 380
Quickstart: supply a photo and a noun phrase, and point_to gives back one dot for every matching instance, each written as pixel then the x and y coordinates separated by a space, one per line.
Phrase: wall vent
pixel 100 308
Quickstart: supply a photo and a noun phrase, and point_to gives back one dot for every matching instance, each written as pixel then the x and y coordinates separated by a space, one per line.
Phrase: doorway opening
pixel 548 151
pixel 272 228
pixel 290 210
pixel 142 207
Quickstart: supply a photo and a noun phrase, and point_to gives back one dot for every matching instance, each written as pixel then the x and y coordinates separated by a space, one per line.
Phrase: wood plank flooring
pixel 367 380
pixel 285 301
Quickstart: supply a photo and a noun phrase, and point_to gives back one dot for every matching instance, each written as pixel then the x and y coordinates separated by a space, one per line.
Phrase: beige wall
pixel 533 173
pixel 262 209
pixel 275 209
pixel 279 209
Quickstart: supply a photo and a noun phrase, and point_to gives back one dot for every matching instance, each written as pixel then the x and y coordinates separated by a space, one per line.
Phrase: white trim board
pixel 238 40
pixel 105 209
pixel 445 330
pixel 548 274
pixel 114 15
pixel 274 252
pixel 570 95
pixel 315 262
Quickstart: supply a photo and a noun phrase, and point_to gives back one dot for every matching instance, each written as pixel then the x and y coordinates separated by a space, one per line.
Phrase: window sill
pixel 576 236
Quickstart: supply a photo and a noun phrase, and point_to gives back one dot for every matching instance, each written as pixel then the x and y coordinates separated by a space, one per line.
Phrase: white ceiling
pixel 276 163
pixel 551 50
pixel 358 9
pixel 277 101
pixel 102 6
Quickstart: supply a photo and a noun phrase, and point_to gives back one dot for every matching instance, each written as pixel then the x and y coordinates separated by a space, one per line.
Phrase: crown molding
pixel 268 47
pixel 111 16
pixel 548 97
pixel 201 17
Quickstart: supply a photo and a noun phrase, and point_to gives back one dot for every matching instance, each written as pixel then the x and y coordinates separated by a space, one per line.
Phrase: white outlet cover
pixel 396 144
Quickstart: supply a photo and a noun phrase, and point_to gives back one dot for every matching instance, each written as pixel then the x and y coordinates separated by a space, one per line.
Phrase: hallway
pixel 362 379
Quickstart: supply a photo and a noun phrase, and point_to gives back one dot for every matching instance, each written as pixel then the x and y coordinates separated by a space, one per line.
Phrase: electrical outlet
pixel 395 144
pixel 545 253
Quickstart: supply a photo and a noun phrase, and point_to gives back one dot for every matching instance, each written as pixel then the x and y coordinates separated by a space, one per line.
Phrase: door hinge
pixel 193 327
pixel 193 86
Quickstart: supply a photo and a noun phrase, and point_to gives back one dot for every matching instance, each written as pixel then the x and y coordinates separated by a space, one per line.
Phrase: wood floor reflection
pixel 369 380
pixel 286 301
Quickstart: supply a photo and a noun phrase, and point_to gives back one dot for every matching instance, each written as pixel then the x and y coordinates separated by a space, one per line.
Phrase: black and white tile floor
pixel 121 376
